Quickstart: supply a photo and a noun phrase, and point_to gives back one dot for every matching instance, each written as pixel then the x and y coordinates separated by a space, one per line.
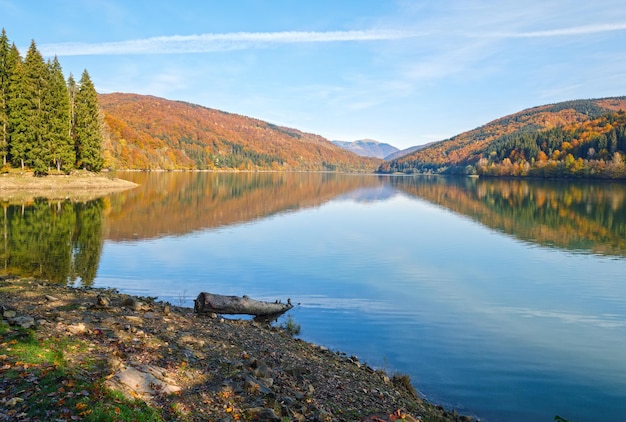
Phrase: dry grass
pixel 78 185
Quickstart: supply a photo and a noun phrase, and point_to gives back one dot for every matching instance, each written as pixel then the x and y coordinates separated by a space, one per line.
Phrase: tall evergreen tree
pixel 19 112
pixel 57 113
pixel 9 56
pixel 72 90
pixel 27 116
pixel 37 77
pixel 5 77
pixel 88 126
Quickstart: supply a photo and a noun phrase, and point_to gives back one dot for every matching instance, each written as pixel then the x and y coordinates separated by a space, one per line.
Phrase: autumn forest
pixel 573 139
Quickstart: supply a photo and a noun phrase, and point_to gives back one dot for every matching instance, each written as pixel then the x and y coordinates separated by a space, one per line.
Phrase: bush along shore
pixel 70 353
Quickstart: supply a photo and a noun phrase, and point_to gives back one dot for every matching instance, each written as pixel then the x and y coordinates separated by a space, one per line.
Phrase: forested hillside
pixel 45 122
pixel 583 138
pixel 145 132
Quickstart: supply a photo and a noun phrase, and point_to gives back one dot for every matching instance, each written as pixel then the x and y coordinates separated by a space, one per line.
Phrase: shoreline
pixel 80 185
pixel 185 366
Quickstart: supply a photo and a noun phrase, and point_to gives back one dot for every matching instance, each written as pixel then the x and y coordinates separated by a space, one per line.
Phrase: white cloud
pixel 575 31
pixel 205 43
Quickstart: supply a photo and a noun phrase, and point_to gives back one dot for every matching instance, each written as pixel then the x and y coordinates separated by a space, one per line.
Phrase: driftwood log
pixel 219 304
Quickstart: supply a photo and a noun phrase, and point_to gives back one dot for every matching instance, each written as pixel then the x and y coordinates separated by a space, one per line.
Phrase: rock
pixel 262 371
pixel 51 298
pixel 267 381
pixel 103 301
pixel 323 416
pixel 128 302
pixel 22 321
pixel 253 385
pixel 76 329
pixel 147 380
pixel 262 414
pixel 9 314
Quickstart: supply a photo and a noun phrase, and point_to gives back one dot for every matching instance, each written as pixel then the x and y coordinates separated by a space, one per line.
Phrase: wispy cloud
pixel 560 32
pixel 204 43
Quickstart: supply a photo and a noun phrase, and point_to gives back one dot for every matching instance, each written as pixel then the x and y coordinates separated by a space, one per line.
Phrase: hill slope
pixel 145 132
pixel 368 148
pixel 463 153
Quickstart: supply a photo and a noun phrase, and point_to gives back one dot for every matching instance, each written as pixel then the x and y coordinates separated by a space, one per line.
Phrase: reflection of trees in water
pixel 181 202
pixel 53 240
pixel 589 216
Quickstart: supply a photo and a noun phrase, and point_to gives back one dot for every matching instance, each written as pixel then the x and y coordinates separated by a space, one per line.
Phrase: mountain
pixel 581 138
pixel 367 148
pixel 402 153
pixel 146 132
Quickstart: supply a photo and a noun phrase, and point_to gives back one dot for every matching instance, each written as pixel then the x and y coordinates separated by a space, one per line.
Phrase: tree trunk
pixel 219 304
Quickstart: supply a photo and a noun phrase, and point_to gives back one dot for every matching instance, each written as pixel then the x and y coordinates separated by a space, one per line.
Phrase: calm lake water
pixel 502 299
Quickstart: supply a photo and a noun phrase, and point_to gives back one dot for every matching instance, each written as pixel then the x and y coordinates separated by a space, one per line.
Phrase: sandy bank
pixel 78 185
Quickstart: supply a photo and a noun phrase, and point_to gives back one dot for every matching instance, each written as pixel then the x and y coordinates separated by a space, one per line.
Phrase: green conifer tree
pixel 88 126
pixel 57 113
pixel 37 77
pixel 7 66
pixel 72 90
pixel 26 114
pixel 19 111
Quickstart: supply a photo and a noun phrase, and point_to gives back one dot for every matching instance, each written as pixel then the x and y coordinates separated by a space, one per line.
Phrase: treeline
pixel 596 148
pixel 46 122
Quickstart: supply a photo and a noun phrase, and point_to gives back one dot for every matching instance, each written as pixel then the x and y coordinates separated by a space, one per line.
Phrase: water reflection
pixel 179 203
pixel 577 216
pixel 62 240
pixel 52 240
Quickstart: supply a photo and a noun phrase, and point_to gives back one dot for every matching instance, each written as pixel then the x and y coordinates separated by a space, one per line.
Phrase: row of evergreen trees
pixel 46 122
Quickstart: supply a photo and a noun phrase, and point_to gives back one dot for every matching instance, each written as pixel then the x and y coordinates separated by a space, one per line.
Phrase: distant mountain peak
pixel 368 148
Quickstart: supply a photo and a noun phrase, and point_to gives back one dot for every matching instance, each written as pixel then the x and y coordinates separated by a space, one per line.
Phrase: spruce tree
pixel 19 111
pixel 57 114
pixel 27 116
pixel 72 90
pixel 37 77
pixel 87 126
pixel 6 70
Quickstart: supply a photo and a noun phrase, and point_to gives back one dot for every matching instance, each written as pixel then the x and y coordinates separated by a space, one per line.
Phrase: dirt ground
pixel 190 367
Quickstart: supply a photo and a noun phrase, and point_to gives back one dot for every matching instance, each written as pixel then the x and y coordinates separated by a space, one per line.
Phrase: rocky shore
pixel 94 354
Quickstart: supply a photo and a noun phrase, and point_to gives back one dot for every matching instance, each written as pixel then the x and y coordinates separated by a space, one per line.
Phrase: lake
pixel 503 299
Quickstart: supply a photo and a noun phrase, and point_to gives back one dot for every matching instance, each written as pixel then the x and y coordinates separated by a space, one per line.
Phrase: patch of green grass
pixel 290 326
pixel 46 382
pixel 114 406
pixel 69 307
pixel 403 381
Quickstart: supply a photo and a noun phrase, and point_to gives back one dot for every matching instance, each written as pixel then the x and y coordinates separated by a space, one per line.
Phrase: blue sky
pixel 402 72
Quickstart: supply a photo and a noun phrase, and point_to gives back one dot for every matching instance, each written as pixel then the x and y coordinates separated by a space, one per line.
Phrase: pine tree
pixel 9 56
pixel 19 111
pixel 57 113
pixel 88 126
pixel 37 77
pixel 5 77
pixel 27 116
pixel 72 90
